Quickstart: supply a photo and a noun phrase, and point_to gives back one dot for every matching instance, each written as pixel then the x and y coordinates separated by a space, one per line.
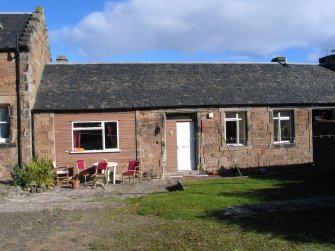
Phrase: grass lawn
pixel 193 218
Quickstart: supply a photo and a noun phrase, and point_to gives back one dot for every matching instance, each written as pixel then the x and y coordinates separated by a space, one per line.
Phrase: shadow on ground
pixel 293 185
pixel 306 225
pixel 310 226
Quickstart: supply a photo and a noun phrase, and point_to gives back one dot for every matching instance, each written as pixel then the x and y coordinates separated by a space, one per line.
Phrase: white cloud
pixel 244 27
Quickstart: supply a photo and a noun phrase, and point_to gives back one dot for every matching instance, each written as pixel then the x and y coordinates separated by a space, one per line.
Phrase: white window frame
pixel 237 119
pixel 102 128
pixel 283 118
pixel 5 140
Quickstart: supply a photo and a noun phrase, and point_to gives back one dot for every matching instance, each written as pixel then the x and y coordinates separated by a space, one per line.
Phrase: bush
pixel 18 175
pixel 38 172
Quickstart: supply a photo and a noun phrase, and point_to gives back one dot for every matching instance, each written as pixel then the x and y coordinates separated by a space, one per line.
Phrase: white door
pixel 185 146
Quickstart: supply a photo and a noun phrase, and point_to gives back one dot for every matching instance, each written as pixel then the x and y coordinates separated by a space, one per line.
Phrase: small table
pixel 109 165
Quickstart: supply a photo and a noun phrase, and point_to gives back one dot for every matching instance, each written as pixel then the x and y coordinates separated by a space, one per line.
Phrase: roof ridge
pixel 15 13
pixel 178 63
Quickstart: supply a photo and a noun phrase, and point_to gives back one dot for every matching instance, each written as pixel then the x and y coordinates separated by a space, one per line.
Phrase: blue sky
pixel 186 30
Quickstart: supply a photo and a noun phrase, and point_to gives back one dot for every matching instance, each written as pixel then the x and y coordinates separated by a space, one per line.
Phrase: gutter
pixel 143 108
pixel 18 101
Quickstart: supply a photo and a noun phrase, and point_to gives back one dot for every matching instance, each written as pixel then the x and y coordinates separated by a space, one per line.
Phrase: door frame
pixel 171 127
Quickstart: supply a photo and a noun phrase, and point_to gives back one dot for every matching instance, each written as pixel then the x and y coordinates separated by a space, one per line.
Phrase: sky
pixel 186 30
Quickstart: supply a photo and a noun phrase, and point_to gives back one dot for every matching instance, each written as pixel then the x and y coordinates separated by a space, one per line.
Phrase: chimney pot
pixel 39 9
pixel 61 59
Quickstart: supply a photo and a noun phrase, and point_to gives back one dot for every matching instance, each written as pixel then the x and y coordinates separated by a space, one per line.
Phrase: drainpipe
pixel 18 101
pixel 33 134
pixel 136 143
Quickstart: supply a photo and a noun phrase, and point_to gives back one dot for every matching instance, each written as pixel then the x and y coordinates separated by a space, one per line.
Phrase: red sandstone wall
pixel 150 144
pixel 260 151
pixel 151 148
pixel 32 64
pixel 8 152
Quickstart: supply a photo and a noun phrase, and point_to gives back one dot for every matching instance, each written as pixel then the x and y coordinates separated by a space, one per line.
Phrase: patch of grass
pixel 193 220
pixel 201 198
pixel 199 234
pixel 97 245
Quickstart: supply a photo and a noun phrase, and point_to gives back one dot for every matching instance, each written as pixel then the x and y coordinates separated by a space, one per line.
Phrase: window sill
pixel 7 145
pixel 234 147
pixel 283 145
pixel 95 151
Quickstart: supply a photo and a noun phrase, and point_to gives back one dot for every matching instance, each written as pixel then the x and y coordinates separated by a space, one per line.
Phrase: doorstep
pixel 185 175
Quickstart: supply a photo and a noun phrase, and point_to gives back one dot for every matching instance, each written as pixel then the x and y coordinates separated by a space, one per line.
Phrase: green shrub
pixel 18 176
pixel 38 172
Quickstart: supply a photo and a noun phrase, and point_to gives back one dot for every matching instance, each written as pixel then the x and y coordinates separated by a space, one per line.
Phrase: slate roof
pixel 85 87
pixel 12 24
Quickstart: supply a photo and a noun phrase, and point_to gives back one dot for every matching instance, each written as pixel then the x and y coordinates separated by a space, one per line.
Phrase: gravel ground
pixel 14 199
pixel 65 218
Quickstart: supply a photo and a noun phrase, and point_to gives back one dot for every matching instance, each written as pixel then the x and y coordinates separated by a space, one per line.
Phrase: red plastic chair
pixel 81 170
pixel 101 172
pixel 132 170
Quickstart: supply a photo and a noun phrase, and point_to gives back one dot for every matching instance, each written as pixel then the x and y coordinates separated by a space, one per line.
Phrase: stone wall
pixel 150 139
pixel 8 151
pixel 210 140
pixel 44 135
pixel 33 57
pixel 260 150
pixel 33 63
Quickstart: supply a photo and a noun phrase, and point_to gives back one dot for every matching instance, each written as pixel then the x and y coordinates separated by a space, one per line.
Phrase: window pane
pixel 88 139
pixel 241 115
pixel 275 114
pixel 4 131
pixel 285 114
pixel 87 124
pixel 230 115
pixel 242 133
pixel 285 130
pixel 4 115
pixel 111 135
pixel 275 127
pixel 231 132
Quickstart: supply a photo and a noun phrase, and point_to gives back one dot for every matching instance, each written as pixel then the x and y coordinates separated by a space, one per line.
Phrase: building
pixel 174 118
pixel 24 50
pixel 178 118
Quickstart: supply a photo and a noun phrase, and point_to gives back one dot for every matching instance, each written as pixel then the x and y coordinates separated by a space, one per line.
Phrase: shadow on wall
pixel 324 139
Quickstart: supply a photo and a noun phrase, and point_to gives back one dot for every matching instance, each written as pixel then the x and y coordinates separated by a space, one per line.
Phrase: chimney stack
pixel 281 60
pixel 61 59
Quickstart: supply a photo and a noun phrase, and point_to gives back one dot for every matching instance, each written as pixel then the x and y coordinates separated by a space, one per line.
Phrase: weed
pixel 77 217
